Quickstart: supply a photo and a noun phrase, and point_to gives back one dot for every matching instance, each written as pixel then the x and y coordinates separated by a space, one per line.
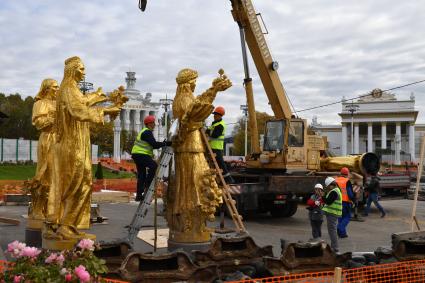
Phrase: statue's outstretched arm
pixel 221 83
pixel 95 97
pixel 77 107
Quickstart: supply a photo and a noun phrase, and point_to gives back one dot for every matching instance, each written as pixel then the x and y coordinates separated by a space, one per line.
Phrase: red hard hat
pixel 149 119
pixel 345 171
pixel 219 110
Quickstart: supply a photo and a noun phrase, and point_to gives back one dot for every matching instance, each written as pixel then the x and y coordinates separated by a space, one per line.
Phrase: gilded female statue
pixel 194 194
pixel 73 166
pixel 43 118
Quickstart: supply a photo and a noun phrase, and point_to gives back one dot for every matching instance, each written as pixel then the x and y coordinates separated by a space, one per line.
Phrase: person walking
pixel 346 188
pixel 315 214
pixel 332 210
pixel 216 133
pixel 372 188
pixel 142 154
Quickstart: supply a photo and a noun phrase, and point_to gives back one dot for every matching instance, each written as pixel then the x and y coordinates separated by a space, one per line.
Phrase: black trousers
pixel 144 162
pixel 316 228
pixel 220 160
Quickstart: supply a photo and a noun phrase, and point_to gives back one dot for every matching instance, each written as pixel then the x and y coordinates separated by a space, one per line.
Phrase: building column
pixel 117 140
pixel 126 119
pixel 412 141
pixel 397 144
pixel 369 137
pixel 344 139
pixel 356 138
pixel 383 135
pixel 136 121
pixel 143 114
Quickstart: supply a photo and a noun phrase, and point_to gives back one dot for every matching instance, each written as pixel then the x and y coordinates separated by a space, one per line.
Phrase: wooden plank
pixel 337 275
pixel 10 221
pixel 149 237
pixel 418 178
pixel 107 197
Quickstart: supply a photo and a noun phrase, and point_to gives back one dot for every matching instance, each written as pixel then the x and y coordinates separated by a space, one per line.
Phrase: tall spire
pixel 131 80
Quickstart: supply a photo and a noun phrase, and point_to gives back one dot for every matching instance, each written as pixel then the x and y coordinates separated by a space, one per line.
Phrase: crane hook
pixel 142 5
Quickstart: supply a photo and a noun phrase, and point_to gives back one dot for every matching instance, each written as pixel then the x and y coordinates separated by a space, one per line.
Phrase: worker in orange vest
pixel 346 188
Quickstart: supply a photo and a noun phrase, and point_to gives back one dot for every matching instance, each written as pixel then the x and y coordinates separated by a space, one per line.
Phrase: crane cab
pixel 288 146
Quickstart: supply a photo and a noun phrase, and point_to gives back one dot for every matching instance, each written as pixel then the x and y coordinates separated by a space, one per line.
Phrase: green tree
pixel 127 140
pixel 239 132
pixel 103 136
pixel 19 123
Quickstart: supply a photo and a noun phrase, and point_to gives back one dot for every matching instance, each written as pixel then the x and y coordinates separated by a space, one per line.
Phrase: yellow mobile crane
pixel 289 164
pixel 286 146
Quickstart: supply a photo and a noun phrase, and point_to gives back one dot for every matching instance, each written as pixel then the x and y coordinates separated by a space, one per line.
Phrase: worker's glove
pixel 167 143
pixel 317 203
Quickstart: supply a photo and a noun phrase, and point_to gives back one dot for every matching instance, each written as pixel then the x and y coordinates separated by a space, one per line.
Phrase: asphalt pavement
pixel 266 230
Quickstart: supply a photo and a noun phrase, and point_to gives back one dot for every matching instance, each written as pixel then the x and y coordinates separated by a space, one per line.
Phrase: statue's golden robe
pixel 194 194
pixel 73 166
pixel 43 118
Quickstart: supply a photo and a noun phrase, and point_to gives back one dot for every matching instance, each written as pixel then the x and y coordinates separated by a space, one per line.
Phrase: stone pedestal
pixel 33 237
pixel 188 247
pixel 58 245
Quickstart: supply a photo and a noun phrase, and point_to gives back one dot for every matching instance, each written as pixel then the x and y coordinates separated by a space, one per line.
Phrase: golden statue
pixel 193 195
pixel 72 176
pixel 43 118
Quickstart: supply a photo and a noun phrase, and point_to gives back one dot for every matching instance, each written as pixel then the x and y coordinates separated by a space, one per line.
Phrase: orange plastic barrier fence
pixel 398 272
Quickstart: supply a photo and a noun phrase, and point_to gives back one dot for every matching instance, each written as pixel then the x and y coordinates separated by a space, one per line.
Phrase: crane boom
pixel 244 14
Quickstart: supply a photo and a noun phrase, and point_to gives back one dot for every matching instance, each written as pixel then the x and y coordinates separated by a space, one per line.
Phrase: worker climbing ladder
pixel 230 203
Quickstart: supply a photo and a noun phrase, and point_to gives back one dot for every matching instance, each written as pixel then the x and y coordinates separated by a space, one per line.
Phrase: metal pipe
pixel 244 55
pixel 255 142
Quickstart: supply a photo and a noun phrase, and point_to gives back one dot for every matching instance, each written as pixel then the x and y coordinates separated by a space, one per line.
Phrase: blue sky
pixel 326 49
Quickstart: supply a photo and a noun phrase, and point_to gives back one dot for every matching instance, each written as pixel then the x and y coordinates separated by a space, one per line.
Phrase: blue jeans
pixel 344 219
pixel 373 197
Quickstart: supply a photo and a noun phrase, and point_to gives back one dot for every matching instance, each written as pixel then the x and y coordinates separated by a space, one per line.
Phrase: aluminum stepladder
pixel 142 209
pixel 230 203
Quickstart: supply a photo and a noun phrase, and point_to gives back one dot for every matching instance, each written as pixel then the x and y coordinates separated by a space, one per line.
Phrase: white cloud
pixel 326 49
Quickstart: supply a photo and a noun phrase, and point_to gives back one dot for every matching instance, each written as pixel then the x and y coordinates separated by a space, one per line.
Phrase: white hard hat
pixel 328 181
pixel 318 186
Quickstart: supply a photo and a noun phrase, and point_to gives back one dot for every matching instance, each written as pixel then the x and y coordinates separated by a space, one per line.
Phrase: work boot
pixel 383 214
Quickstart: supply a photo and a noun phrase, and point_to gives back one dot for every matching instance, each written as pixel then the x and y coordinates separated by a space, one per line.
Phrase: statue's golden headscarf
pixel 184 96
pixel 45 84
pixel 71 65
pixel 186 75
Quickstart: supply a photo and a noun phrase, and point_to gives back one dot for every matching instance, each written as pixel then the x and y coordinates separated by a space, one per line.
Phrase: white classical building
pixel 378 123
pixel 133 113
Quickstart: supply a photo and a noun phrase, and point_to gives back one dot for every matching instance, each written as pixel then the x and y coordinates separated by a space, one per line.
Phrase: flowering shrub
pixel 41 266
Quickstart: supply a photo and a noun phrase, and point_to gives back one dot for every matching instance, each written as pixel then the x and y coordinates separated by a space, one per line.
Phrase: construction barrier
pixel 398 272
pixel 123 185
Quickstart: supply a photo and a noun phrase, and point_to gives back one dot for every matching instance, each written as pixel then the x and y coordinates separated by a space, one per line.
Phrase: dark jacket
pixel 148 137
pixel 373 186
pixel 315 212
pixel 218 130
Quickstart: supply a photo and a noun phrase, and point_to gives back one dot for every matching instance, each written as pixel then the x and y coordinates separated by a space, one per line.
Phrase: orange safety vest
pixel 342 184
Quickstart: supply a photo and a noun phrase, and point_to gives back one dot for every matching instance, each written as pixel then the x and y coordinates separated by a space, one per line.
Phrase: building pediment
pixel 377 95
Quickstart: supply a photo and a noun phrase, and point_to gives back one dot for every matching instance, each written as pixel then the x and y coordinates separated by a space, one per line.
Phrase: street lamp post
pixel 244 109
pixel 352 108
pixel 166 102
pixel 85 86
